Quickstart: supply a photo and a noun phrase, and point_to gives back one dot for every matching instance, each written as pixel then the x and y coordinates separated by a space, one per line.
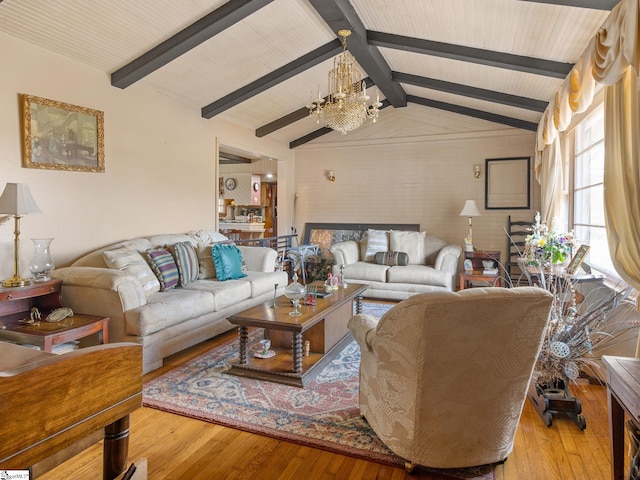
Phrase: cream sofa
pixel 431 264
pixel 166 322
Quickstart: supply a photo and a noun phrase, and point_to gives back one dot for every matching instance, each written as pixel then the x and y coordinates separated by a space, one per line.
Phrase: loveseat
pixel 165 311
pixel 397 264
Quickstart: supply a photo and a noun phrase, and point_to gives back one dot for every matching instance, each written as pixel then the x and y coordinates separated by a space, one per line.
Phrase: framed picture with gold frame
pixel 60 136
pixel 577 259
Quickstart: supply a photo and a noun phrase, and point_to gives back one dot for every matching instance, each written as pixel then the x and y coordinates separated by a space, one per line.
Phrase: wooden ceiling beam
pixel 491 58
pixel 340 14
pixel 281 74
pixel 592 4
pixel 472 92
pixel 472 112
pixel 208 26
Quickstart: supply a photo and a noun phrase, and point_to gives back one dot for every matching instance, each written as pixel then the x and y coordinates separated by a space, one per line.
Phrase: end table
pixel 477 273
pixel 16 304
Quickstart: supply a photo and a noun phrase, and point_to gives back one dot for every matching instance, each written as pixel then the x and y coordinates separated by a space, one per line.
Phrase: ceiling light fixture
pixel 345 108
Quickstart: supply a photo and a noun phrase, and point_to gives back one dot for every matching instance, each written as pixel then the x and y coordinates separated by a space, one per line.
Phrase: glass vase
pixel 41 265
pixel 295 291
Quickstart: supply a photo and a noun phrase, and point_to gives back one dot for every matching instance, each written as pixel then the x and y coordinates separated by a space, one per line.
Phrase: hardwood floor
pixel 182 448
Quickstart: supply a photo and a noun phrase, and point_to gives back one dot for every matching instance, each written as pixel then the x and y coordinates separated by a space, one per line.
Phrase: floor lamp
pixel 16 200
pixel 470 209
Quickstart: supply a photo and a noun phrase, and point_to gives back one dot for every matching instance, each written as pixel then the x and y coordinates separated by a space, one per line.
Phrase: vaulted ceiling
pixel 255 62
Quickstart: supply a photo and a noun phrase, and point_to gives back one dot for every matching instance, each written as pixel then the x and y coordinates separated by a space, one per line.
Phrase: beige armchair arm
pixel 363 329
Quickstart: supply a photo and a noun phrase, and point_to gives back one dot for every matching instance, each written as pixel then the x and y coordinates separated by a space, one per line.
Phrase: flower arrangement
pixel 545 247
pixel 575 330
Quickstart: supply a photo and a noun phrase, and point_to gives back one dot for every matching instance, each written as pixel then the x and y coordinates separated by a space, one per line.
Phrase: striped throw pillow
pixel 392 258
pixel 165 268
pixel 187 262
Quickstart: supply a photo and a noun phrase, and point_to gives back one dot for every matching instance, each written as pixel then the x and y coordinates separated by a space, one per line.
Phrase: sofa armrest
pixel 345 253
pixel 363 329
pixel 102 292
pixel 448 259
pixel 259 259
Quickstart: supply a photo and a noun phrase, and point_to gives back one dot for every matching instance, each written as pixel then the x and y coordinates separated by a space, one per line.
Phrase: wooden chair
pixel 517 231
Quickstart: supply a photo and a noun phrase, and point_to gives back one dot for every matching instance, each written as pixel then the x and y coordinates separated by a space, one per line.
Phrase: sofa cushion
pixel 432 245
pixel 187 261
pixel 129 260
pixel 225 294
pixel 165 309
pixel 207 237
pixel 165 268
pixel 264 282
pixel 410 242
pixel 420 274
pixel 392 258
pixel 367 271
pixel 377 241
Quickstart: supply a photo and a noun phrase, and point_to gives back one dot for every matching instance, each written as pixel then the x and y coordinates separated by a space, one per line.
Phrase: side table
pixel 16 304
pixel 477 273
pixel 623 392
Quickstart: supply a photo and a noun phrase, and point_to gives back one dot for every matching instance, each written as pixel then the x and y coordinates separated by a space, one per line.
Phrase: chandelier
pixel 345 108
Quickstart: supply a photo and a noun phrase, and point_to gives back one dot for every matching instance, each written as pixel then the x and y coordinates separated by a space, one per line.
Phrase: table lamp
pixel 16 200
pixel 470 209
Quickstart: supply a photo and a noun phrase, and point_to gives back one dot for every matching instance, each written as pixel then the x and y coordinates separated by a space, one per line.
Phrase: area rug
pixel 323 415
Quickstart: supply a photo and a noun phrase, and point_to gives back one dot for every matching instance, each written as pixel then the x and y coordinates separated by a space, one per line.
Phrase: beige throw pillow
pixel 410 242
pixel 205 259
pixel 377 241
pixel 129 260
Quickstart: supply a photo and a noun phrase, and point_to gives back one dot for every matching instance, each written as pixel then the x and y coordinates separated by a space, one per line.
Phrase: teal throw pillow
pixel 228 262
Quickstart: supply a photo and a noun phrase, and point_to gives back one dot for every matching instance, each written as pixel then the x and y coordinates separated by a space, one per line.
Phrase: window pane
pixel 588 206
pixel 589 166
pixel 590 130
pixel 598 256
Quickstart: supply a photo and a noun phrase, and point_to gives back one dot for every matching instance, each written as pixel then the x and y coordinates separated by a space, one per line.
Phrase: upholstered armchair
pixel 444 376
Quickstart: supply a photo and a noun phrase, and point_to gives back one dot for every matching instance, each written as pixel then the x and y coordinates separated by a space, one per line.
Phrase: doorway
pixel 248 191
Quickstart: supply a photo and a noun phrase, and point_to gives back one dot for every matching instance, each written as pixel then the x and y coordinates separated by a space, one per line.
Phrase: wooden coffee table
pixel 323 325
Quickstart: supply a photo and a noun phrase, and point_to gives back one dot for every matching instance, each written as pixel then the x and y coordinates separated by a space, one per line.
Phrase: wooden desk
pixel 623 387
pixel 50 402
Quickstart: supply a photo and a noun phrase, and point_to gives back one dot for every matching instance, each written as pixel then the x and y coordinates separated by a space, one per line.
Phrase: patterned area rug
pixel 324 414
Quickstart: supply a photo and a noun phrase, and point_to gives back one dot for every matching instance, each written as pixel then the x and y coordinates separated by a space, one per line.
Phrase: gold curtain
pixel 551 176
pixel 611 59
pixel 622 177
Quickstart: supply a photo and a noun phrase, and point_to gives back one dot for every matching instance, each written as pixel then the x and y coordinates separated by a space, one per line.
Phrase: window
pixel 587 201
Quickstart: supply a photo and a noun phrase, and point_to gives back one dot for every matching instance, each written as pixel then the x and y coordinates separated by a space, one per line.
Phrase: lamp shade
pixel 470 209
pixel 17 200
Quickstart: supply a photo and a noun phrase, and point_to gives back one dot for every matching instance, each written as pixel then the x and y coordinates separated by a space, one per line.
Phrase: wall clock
pixel 230 183
pixel 256 186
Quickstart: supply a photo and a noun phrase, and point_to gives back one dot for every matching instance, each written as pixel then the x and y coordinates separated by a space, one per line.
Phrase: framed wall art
pixel 507 183
pixel 60 136
pixel 577 259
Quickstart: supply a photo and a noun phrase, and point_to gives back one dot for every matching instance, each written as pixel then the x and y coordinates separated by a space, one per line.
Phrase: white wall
pixel 423 180
pixel 161 166
pixel 160 156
